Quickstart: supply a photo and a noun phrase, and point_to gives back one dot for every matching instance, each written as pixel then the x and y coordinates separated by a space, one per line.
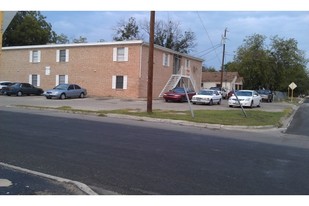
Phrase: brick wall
pixel 92 67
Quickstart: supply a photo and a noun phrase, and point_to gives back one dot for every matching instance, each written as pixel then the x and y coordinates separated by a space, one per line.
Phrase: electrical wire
pixel 209 37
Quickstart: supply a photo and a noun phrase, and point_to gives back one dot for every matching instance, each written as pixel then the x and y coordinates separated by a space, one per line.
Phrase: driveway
pixel 101 103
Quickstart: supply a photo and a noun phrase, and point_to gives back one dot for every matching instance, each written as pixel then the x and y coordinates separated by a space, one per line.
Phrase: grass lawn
pixel 223 117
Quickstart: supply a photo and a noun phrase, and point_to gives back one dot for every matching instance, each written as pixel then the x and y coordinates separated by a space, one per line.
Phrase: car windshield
pixel 205 92
pixel 179 90
pixel 264 92
pixel 62 87
pixel 244 93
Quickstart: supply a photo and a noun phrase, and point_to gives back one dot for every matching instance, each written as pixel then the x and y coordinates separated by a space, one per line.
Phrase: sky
pixel 208 27
pixel 96 20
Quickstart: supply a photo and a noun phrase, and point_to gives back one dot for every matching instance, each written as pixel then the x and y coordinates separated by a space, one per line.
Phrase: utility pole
pixel 1 30
pixel 223 54
pixel 150 62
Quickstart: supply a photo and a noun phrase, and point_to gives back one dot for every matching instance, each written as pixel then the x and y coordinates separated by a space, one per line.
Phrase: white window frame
pixel 31 56
pixel 116 58
pixel 125 81
pixel 166 60
pixel 66 55
pixel 38 79
pixel 66 78
pixel 187 63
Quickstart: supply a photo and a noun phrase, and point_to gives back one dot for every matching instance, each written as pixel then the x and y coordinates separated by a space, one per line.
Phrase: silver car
pixel 63 91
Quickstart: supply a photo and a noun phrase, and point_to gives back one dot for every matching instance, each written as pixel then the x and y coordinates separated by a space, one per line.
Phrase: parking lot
pixel 105 103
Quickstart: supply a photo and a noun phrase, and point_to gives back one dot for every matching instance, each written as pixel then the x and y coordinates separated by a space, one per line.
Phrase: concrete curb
pixel 84 188
pixel 187 123
pixel 285 122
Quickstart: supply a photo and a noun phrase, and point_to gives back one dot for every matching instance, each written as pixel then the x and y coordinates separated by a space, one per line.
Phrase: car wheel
pixel 62 96
pixel 251 105
pixel 82 95
pixel 19 93
pixel 259 105
pixel 48 97
pixel 219 102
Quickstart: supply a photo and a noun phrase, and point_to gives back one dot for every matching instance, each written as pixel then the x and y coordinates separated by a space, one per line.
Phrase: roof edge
pixel 73 45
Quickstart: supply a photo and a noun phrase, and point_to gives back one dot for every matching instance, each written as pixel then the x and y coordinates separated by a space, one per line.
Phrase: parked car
pixel 63 91
pixel 222 91
pixel 231 93
pixel 247 98
pixel 4 84
pixel 207 96
pixel 178 94
pixel 267 95
pixel 20 89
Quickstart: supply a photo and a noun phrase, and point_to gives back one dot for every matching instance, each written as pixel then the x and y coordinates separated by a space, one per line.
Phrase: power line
pixel 209 51
pixel 208 36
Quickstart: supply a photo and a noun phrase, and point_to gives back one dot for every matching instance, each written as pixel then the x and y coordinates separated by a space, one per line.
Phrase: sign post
pixel 292 87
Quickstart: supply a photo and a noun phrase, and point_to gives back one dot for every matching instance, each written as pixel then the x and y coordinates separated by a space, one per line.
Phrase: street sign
pixel 292 86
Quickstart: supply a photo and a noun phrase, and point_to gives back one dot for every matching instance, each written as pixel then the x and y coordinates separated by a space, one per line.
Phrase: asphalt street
pixel 300 122
pixel 132 157
pixel 14 181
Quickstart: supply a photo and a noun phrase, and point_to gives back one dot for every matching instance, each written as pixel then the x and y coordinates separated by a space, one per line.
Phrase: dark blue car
pixel 20 89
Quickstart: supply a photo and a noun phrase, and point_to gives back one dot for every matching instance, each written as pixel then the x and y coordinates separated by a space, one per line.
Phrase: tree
pixel 29 28
pixel 273 67
pixel 127 30
pixel 208 69
pixel 288 62
pixel 250 62
pixel 62 39
pixel 80 40
pixel 169 34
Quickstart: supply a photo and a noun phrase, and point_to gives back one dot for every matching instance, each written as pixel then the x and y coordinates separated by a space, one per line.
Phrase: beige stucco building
pixel 231 80
pixel 111 69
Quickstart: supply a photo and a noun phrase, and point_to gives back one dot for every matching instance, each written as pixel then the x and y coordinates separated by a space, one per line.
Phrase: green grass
pixel 222 117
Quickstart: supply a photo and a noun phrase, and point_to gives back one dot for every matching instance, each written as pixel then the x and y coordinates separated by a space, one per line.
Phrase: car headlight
pixel 248 99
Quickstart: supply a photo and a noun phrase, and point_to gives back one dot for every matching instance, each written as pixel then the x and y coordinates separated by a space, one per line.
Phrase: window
pixel 120 54
pixel 47 70
pixel 187 63
pixel 166 59
pixel 35 56
pixel 62 55
pixel 71 87
pixel 62 79
pixel 34 79
pixel 119 82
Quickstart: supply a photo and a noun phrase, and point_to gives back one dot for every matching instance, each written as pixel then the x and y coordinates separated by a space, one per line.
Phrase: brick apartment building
pixel 110 69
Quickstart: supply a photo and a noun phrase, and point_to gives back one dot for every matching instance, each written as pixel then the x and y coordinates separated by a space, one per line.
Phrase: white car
pixel 207 96
pixel 4 84
pixel 247 98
